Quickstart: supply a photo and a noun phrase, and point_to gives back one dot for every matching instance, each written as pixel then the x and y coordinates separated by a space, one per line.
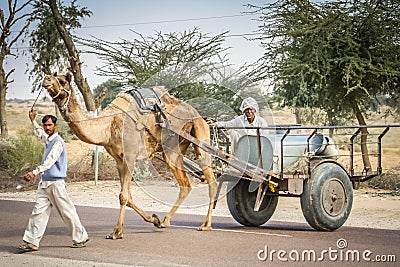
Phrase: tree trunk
pixel 3 93
pixel 3 117
pixel 364 138
pixel 330 120
pixel 297 114
pixel 73 58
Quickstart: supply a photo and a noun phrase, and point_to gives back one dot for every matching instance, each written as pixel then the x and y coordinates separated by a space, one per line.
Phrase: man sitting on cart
pixel 249 118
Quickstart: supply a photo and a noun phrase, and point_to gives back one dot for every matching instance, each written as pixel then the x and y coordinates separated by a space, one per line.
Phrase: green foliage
pixel 135 62
pixel 113 88
pixel 47 48
pixel 333 54
pixel 188 64
pixel 20 153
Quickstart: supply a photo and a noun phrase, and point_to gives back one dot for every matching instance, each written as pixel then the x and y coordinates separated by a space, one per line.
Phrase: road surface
pixel 229 244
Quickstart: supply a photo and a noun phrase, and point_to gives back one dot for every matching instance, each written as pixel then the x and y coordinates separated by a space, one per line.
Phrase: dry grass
pixel 389 180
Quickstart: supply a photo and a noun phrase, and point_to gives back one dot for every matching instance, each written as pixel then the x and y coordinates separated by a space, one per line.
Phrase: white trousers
pixel 54 194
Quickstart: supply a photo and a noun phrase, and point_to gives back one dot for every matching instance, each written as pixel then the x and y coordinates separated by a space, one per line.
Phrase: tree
pixel 106 92
pixel 17 18
pixel 189 64
pixel 47 48
pixel 135 62
pixel 53 45
pixel 333 55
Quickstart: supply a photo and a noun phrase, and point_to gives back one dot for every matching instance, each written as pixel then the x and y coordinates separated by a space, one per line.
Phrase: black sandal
pixel 27 248
pixel 80 244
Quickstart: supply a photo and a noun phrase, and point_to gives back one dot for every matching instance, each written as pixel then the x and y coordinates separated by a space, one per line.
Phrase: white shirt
pixel 54 153
pixel 241 121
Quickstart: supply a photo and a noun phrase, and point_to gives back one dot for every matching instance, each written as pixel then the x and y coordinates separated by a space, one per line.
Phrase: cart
pixel 308 162
pixel 295 161
pixel 319 164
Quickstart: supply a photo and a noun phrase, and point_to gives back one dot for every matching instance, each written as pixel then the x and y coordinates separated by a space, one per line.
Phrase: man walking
pixel 51 189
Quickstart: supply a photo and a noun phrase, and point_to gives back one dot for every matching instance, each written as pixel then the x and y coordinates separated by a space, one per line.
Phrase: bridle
pixel 63 108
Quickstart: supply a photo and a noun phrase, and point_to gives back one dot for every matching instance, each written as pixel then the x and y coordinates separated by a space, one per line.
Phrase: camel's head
pixel 59 88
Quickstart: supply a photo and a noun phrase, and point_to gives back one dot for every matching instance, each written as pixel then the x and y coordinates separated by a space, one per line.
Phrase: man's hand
pixel 29 176
pixel 32 114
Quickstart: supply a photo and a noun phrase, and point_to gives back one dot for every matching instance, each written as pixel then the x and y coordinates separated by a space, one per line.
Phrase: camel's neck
pixel 86 128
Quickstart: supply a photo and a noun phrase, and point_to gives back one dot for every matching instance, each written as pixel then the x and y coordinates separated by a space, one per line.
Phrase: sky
pixel 116 19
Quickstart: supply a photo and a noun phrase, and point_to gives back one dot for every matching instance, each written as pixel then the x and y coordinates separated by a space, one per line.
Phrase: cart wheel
pixel 241 204
pixel 327 197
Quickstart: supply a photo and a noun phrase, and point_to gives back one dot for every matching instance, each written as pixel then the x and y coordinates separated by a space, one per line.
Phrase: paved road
pixel 228 244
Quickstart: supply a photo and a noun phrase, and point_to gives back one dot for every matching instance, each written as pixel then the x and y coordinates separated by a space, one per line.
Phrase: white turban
pixel 249 102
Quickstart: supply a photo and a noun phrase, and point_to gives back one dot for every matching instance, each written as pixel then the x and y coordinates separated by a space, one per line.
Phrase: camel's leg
pixel 123 196
pixel 175 162
pixel 212 192
pixel 153 219
pixel 201 132
pixel 125 199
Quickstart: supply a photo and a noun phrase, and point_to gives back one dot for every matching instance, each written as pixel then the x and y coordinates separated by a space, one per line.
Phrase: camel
pixel 129 136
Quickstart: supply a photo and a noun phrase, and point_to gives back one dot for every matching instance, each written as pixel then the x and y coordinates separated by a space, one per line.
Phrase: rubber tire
pixel 327 177
pixel 241 204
